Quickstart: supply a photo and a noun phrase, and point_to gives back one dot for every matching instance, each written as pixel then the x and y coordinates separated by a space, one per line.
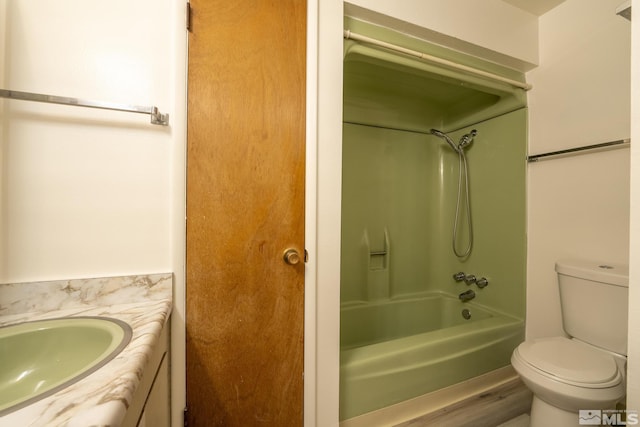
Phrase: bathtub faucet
pixel 459 277
pixel 467 295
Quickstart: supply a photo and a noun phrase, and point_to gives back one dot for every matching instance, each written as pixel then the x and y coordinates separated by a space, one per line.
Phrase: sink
pixel 40 358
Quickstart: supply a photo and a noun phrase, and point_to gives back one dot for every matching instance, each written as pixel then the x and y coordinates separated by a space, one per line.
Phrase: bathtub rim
pixel 351 357
pixel 350 305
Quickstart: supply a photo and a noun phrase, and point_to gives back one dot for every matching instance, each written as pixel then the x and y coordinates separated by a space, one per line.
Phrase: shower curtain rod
pixel 157 118
pixel 611 145
pixel 430 58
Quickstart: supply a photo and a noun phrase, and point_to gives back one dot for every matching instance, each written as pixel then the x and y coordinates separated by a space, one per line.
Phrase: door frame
pixel 323 215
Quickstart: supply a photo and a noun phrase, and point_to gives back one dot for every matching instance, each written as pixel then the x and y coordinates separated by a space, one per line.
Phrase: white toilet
pixel 586 371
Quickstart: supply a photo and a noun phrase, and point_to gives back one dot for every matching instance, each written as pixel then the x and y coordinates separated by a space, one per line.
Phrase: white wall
pixel 91 193
pixel 577 206
pixel 86 191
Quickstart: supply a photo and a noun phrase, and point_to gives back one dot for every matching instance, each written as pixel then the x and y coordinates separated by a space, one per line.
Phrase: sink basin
pixel 37 359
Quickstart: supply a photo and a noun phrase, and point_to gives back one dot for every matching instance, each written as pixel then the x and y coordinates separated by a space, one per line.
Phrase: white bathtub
pixel 395 350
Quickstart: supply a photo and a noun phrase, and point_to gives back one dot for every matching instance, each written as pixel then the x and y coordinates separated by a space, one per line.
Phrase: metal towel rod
pixel 621 143
pixel 157 118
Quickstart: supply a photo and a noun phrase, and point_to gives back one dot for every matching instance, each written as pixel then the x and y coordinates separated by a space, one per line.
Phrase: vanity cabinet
pixel 151 406
pixel 157 409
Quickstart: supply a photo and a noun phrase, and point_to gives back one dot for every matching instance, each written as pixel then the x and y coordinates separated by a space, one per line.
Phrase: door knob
pixel 291 257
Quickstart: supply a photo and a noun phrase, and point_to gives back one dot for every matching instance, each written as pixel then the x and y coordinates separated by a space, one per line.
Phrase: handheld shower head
pixel 444 136
pixel 463 181
pixel 467 139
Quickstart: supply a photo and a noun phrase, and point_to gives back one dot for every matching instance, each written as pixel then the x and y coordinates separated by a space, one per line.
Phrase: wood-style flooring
pixel 504 404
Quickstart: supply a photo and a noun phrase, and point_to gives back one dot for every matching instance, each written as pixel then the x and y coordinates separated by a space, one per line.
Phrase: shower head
pixel 467 139
pixel 444 136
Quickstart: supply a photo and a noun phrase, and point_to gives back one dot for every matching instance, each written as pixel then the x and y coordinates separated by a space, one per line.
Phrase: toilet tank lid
pixel 605 272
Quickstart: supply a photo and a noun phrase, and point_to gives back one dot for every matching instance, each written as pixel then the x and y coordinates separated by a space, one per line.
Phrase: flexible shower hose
pixel 462 167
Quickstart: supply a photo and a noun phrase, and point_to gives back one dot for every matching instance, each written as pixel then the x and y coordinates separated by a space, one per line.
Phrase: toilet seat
pixel 569 361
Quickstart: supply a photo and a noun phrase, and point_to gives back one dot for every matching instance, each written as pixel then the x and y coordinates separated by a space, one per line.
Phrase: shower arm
pixel 446 137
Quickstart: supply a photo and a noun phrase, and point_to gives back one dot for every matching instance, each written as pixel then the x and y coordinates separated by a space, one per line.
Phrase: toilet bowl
pixel 584 372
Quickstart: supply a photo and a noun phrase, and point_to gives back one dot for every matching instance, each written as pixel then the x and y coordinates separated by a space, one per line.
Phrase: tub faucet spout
pixel 467 295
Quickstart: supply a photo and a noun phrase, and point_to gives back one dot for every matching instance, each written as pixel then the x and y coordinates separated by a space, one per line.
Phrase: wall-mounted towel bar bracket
pixel 157 118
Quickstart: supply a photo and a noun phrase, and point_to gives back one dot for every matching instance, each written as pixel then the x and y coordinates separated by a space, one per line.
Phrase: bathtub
pixel 399 349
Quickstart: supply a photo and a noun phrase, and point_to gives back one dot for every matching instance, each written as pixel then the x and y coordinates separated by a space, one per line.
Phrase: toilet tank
pixel 594 300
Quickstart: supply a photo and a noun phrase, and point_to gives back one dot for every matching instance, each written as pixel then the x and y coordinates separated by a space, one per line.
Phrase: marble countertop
pixel 102 398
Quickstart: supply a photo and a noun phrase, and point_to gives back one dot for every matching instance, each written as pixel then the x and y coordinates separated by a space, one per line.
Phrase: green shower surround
pixel 398 178
pixel 406 183
pixel 399 189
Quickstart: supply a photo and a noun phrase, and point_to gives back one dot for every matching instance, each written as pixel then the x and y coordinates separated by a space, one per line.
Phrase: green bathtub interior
pixel 400 183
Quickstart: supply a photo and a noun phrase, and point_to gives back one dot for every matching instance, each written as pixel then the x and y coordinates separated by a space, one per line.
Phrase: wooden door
pixel 245 207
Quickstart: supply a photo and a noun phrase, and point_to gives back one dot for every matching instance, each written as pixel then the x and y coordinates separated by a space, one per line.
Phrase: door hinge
pixel 184 417
pixel 189 12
